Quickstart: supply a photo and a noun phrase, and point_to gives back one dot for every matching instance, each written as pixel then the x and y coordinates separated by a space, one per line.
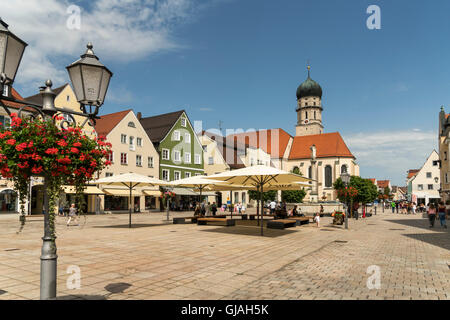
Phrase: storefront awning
pixel 208 193
pixel 88 190
pixel 10 190
pixel 184 192
pixel 190 192
pixel 154 193
pixel 121 192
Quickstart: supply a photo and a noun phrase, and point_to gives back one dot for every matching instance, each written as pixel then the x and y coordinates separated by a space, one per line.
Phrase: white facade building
pixel 424 186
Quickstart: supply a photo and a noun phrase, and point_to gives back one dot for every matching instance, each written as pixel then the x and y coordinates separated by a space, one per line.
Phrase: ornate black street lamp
pixel 90 80
pixel 11 52
pixel 345 177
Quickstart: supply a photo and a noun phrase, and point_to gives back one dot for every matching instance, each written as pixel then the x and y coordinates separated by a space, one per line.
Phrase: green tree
pixel 293 196
pixel 367 191
pixel 268 195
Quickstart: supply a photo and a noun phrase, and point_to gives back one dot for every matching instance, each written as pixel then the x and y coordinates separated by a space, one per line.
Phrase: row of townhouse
pixel 164 146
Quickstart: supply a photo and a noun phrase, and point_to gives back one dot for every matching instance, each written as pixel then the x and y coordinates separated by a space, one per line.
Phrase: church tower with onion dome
pixel 309 108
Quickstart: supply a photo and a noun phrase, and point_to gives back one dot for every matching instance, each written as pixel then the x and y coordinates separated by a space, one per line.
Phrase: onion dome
pixel 309 88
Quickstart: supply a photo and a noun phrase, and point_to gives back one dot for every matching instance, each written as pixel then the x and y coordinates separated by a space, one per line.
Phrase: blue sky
pixel 240 62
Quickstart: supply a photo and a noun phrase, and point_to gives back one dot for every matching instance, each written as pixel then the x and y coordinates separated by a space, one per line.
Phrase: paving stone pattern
pixel 157 260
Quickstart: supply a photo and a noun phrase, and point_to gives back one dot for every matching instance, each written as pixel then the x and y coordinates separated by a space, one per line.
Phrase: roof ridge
pixel 115 113
pixel 164 114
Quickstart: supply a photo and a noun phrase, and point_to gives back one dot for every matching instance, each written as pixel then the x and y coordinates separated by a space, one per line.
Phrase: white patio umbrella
pixel 131 181
pixel 260 177
pixel 196 182
pixel 200 183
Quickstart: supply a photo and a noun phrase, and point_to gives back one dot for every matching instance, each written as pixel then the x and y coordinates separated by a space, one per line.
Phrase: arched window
pixel 344 168
pixel 131 124
pixel 328 177
pixel 314 112
pixel 296 170
pixel 306 113
pixel 310 172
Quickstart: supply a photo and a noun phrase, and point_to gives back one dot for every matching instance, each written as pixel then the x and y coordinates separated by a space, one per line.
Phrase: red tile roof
pixel 263 139
pixel 107 122
pixel 327 145
pixel 412 173
pixel 383 183
pixel 16 96
pixel 373 180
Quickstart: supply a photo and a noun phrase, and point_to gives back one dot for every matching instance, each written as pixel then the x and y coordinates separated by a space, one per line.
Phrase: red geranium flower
pixel 21 146
pixel 51 151
pixel 61 143
pixel 11 142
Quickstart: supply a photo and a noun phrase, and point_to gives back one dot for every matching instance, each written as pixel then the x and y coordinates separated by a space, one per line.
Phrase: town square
pixel 211 151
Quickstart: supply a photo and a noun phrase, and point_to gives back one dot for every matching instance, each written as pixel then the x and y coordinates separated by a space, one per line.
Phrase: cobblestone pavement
pixel 157 260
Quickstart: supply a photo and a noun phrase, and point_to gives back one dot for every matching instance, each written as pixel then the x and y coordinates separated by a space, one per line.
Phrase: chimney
pixel 139 115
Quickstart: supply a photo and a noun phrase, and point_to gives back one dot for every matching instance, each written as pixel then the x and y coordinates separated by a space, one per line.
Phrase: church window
pixel 328 179
pixel 306 115
pixel 310 172
pixel 314 112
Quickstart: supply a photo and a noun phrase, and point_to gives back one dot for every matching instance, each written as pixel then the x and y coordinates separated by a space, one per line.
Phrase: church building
pixel 312 152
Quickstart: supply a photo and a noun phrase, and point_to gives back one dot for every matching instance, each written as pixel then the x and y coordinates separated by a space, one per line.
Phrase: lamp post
pixel 90 80
pixel 345 177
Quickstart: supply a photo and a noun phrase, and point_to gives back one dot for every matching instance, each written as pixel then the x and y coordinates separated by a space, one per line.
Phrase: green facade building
pixel 180 151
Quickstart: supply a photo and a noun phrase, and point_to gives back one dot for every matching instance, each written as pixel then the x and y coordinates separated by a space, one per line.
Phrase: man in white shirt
pixel 273 204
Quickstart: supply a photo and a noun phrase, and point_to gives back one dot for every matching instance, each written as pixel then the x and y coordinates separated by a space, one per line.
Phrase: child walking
pixel 72 214
pixel 317 220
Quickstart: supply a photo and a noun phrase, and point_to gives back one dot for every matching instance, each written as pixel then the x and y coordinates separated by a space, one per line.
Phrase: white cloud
pixel 389 154
pixel 121 30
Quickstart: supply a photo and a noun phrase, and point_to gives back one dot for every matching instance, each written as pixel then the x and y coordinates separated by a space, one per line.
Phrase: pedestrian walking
pixel 393 206
pixel 441 213
pixel 431 214
pixel 414 208
pixel 203 209
pixel 273 205
pixel 317 220
pixel 197 210
pixel 422 207
pixel 208 209
pixel 214 209
pixel 72 214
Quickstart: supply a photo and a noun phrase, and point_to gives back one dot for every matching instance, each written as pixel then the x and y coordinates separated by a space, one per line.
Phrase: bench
pixel 281 223
pixel 300 220
pixel 228 222
pixel 182 220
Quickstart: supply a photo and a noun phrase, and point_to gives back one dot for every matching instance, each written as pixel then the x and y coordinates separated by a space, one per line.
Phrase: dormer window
pixel 131 124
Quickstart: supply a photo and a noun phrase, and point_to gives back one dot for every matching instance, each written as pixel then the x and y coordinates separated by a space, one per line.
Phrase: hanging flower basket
pixel 37 147
pixel 168 195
